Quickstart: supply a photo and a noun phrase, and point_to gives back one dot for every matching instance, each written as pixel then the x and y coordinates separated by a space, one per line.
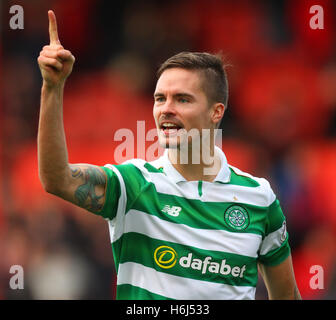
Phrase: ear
pixel 218 110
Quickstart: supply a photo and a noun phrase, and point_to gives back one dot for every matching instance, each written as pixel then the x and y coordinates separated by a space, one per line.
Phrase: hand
pixel 54 61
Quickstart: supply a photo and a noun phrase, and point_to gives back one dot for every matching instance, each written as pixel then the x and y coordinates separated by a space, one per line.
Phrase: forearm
pixel 52 150
pixel 280 281
pixel 292 294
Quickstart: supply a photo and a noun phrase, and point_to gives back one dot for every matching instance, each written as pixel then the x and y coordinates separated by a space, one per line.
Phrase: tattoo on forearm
pixel 85 194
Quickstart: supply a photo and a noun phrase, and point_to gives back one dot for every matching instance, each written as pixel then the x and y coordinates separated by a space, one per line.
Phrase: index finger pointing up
pixel 53 35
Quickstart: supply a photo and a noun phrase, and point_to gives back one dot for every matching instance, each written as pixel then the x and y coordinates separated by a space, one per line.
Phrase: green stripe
pixel 150 168
pixel 134 181
pixel 275 217
pixel 240 180
pixel 129 292
pixel 198 214
pixel 142 195
pixel 200 188
pixel 140 249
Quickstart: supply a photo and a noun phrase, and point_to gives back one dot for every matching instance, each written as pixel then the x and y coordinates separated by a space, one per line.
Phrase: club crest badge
pixel 237 217
pixel 283 232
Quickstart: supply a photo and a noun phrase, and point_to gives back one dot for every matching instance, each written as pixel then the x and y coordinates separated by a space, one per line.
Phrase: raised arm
pixel 81 184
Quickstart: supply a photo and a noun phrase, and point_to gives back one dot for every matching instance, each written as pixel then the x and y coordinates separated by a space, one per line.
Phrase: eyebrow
pixel 176 95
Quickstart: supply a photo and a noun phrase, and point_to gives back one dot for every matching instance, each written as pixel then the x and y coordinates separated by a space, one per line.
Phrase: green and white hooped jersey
pixel 178 239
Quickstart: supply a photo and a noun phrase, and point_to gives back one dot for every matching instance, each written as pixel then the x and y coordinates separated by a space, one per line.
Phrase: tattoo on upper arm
pixel 85 194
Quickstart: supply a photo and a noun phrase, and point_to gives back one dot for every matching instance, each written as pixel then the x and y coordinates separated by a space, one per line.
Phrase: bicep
pixel 280 280
pixel 85 187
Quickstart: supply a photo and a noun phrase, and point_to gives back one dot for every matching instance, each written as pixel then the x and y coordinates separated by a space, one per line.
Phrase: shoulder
pixel 136 168
pixel 259 185
pixel 144 166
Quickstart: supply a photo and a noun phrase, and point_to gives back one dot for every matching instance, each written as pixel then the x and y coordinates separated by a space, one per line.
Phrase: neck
pixel 196 164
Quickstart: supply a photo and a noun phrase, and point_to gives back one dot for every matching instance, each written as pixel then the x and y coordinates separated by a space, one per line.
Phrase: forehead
pixel 177 79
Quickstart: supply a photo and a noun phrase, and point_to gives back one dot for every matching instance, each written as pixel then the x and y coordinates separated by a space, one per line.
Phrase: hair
pixel 212 69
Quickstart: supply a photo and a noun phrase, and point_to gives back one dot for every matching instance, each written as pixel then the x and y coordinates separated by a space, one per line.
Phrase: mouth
pixel 170 128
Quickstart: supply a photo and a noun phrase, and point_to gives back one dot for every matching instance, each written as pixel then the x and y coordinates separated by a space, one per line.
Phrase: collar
pixel 222 176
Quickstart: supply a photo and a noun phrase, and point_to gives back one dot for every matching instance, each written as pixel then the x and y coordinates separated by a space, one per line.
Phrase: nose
pixel 168 107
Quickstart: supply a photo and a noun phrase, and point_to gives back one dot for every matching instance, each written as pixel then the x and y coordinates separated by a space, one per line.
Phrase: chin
pixel 175 142
pixel 168 144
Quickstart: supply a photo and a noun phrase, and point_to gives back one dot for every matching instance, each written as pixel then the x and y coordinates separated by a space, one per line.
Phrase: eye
pixel 183 100
pixel 159 99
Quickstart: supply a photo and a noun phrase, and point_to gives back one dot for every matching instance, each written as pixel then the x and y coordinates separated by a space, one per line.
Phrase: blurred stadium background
pixel 280 124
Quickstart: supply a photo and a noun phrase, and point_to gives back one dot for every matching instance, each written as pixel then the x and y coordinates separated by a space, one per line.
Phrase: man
pixel 180 228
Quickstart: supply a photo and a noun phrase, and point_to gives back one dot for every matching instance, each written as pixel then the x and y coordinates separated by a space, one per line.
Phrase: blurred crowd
pixel 280 124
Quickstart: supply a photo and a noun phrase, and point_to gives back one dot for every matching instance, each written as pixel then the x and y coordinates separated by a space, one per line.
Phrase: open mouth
pixel 170 128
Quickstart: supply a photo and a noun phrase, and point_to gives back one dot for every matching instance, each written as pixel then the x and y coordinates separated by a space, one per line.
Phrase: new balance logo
pixel 171 210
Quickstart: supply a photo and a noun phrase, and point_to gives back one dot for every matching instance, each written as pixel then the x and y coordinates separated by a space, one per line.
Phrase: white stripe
pixel 111 226
pixel 180 288
pixel 272 241
pixel 246 244
pixel 212 192
pixel 116 226
pixel 270 196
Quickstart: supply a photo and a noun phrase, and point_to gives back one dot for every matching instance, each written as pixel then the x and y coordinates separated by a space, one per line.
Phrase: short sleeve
pixel 133 181
pixel 112 195
pixel 274 248
pixel 124 184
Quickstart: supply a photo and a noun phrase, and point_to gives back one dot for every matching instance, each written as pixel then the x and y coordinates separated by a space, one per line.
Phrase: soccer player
pixel 180 228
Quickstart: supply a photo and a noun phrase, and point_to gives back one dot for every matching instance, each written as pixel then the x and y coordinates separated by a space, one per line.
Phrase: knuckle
pixel 55 47
pixel 40 59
